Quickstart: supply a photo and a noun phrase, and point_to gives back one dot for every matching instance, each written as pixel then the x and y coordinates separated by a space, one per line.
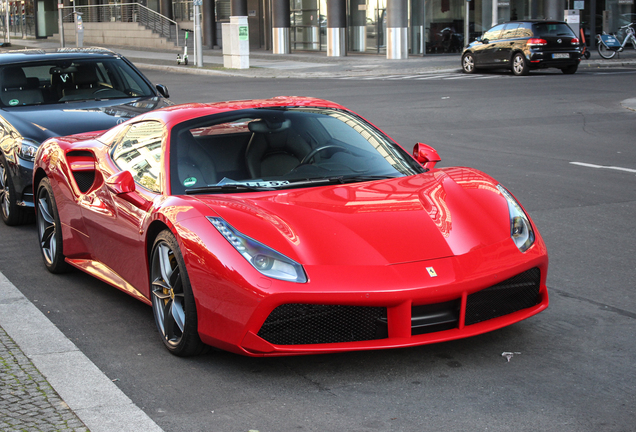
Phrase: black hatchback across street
pixel 524 45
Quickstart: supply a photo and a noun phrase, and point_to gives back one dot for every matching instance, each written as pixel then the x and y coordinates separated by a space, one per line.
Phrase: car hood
pixel 45 121
pixel 433 215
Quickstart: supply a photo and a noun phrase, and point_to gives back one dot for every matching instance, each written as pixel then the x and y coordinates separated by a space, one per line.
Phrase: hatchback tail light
pixel 537 42
pixel 574 41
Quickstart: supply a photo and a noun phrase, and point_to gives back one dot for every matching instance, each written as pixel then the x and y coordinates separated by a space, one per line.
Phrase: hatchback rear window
pixel 552 30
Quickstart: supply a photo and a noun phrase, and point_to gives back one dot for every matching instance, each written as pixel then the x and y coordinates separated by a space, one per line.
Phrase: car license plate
pixel 560 55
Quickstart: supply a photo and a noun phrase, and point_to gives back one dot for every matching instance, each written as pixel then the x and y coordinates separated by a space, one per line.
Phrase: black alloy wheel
pixel 49 229
pixel 519 65
pixel 12 214
pixel 173 303
pixel 468 63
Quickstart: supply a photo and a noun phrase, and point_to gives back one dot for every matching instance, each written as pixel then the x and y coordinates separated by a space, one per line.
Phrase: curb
pixel 87 391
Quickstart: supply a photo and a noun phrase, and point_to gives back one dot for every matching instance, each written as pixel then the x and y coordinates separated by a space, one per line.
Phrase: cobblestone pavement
pixel 27 400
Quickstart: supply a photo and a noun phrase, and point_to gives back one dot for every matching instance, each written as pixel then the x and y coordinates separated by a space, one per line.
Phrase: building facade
pixel 392 28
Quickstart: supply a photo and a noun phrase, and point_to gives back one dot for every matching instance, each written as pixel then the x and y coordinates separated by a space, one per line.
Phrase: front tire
pixel 12 214
pixel 173 302
pixel 468 63
pixel 605 52
pixel 570 69
pixel 49 229
pixel 519 65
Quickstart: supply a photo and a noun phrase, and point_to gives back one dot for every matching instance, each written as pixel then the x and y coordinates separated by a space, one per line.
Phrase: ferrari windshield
pixel 267 149
pixel 59 81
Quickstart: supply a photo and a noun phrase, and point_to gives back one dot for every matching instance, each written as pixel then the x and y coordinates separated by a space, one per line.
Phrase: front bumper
pixel 472 294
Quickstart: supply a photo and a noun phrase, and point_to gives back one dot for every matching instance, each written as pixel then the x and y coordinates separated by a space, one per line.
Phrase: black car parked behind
pixel 524 45
pixel 47 94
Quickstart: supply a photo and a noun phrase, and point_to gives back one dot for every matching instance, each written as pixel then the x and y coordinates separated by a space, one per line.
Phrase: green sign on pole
pixel 243 33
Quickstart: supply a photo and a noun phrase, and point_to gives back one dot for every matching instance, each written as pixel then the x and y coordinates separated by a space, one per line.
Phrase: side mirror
pixel 122 184
pixel 163 90
pixel 426 155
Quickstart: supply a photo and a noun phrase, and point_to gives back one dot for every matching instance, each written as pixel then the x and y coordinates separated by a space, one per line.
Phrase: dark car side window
pixel 524 30
pixel 493 33
pixel 139 151
pixel 510 31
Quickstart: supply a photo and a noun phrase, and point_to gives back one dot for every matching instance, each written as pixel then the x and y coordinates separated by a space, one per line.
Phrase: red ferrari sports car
pixel 287 226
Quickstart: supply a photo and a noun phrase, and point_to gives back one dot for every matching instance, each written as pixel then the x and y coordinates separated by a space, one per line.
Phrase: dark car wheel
pixel 49 232
pixel 570 69
pixel 468 63
pixel 519 65
pixel 172 299
pixel 12 214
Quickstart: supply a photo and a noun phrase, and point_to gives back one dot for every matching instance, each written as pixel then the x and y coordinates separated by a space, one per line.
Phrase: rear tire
pixel 570 69
pixel 519 65
pixel 604 52
pixel 468 63
pixel 49 229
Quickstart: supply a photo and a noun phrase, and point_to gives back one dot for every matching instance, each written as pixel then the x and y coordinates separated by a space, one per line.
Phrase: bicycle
pixel 609 45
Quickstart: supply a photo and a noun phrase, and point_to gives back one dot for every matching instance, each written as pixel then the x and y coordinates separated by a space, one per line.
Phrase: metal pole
pixel 467 24
pixel 7 24
pixel 61 22
pixel 197 35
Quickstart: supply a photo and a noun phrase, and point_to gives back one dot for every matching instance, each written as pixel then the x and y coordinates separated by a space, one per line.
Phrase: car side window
pixel 493 33
pixel 139 151
pixel 509 31
pixel 524 30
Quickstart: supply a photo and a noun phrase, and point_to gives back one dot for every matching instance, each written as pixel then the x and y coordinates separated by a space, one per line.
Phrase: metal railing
pixel 126 12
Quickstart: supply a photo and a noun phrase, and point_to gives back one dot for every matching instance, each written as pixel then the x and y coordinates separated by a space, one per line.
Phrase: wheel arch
pixel 38 175
pixel 153 230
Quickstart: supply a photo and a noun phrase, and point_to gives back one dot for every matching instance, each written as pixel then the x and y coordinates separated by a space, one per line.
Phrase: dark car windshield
pixel 266 149
pixel 59 81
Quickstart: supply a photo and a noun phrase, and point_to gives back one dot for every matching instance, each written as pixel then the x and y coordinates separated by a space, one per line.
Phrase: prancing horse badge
pixel 431 271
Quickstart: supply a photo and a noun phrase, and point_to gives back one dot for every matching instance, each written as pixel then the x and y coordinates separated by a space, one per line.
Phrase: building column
pixel 165 8
pixel 238 8
pixel 336 28
pixel 281 24
pixel 357 25
pixel 554 9
pixel 397 42
pixel 208 24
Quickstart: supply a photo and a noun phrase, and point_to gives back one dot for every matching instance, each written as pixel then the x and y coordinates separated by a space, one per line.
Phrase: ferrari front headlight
pixel 520 227
pixel 264 259
pixel 27 149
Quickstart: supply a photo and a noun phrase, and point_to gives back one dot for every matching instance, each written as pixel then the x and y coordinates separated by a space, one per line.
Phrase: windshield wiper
pixel 228 187
pixel 333 180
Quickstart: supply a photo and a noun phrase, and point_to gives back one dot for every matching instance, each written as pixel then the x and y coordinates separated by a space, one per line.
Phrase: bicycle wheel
pixel 605 52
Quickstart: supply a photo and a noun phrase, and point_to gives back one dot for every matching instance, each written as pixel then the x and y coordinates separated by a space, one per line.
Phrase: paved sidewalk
pixel 48 384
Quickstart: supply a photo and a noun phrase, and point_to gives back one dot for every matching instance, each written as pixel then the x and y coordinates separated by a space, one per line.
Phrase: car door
pixel 485 54
pixel 113 220
pixel 505 45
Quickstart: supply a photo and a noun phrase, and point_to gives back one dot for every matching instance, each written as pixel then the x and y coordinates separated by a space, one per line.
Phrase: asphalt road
pixel 574 370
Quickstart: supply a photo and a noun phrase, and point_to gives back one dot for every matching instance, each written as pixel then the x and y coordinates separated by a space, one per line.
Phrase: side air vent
pixel 82 164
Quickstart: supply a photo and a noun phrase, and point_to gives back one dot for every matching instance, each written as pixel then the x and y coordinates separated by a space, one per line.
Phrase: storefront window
pixel 308 24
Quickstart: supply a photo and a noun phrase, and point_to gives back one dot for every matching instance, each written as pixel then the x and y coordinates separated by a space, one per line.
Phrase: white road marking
pixel 604 167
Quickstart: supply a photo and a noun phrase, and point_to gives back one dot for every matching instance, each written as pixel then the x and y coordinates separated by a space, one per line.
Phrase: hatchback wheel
pixel 49 232
pixel 468 63
pixel 172 299
pixel 519 65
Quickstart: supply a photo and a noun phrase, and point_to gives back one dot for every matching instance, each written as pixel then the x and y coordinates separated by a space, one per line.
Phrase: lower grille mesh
pixel 518 292
pixel 298 324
